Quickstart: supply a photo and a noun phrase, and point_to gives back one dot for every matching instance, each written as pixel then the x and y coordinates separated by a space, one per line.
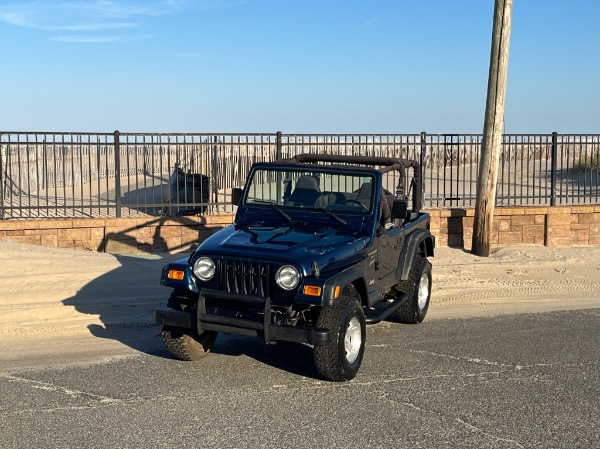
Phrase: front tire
pixel 418 289
pixel 341 358
pixel 186 344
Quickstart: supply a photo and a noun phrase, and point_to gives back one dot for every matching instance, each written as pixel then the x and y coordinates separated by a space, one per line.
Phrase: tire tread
pixel 182 343
pixel 408 312
pixel 327 359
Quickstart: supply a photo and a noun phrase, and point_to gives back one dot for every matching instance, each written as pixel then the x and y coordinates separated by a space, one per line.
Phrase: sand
pixel 524 279
pixel 52 291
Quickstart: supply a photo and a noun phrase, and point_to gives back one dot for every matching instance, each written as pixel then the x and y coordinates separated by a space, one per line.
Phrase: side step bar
pixel 377 315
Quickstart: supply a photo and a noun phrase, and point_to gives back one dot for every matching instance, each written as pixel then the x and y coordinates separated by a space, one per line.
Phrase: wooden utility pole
pixel 492 129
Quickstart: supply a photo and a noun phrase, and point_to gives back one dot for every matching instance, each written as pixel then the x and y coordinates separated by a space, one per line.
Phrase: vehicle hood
pixel 297 243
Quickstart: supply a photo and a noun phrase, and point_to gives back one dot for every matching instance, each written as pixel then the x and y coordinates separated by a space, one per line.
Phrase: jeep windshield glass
pixel 298 189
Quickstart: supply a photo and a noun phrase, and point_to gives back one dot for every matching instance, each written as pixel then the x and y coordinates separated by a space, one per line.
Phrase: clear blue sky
pixel 323 66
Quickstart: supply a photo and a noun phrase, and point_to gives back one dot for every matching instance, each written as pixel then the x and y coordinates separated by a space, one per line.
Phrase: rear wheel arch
pixel 427 246
pixel 418 244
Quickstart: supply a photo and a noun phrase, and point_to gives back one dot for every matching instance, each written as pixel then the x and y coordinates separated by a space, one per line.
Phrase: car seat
pixel 306 192
pixel 364 194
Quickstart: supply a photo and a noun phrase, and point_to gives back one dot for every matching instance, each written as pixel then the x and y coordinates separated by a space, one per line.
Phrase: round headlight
pixel 287 277
pixel 204 268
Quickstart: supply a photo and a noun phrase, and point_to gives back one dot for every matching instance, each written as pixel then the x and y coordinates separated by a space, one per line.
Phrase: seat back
pixel 364 193
pixel 306 192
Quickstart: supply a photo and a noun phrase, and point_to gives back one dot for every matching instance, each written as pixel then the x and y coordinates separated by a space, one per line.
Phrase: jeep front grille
pixel 243 276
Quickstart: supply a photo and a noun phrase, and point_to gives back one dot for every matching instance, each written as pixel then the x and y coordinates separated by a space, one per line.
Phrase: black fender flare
pixel 352 275
pixel 419 242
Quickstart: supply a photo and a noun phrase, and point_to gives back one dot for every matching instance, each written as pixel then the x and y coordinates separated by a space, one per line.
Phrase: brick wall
pixel 550 226
pixel 116 235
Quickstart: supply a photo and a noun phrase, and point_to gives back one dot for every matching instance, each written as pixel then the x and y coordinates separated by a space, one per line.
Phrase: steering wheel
pixel 364 208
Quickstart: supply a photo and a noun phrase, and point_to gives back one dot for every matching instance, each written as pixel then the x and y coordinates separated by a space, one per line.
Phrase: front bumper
pixel 265 329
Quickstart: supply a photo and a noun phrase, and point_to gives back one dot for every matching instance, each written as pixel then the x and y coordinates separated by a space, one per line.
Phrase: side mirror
pixel 399 209
pixel 236 195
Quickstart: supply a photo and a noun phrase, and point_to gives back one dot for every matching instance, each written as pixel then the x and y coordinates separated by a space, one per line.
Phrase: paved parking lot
pixel 510 381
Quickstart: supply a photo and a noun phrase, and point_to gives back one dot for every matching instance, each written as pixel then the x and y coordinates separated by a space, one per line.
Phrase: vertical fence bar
pixel 573 177
pixel 422 165
pixel 278 146
pixel 583 160
pixel 553 168
pixel 37 175
pixel 89 171
pixel 117 146
pixel 46 169
pixel 9 176
pixel 63 166
pixel 72 141
pixel 81 174
pixel 1 181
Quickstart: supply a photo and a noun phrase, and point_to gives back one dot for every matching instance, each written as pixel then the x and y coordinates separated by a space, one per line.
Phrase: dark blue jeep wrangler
pixel 319 248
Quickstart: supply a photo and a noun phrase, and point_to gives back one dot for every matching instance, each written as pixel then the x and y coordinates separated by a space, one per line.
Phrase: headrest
pixel 307 182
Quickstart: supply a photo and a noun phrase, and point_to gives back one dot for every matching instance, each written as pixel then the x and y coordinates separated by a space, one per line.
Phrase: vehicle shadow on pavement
pixel 121 303
pixel 294 358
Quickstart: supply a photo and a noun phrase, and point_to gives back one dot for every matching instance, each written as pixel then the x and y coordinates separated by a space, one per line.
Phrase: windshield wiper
pixel 274 206
pixel 328 212
pixel 280 210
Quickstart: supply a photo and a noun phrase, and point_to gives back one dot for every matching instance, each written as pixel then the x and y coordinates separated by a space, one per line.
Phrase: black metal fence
pixel 128 174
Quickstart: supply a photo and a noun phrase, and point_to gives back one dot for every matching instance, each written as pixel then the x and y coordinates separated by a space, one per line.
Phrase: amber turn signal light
pixel 312 290
pixel 176 275
pixel 336 292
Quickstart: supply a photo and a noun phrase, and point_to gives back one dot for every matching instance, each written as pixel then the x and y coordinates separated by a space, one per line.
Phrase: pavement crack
pixel 460 421
pixel 71 392
pixel 511 366
pixel 487 434
pixel 315 385
pixel 467 359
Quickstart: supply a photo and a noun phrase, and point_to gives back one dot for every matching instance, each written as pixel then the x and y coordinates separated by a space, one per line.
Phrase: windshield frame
pixel 360 173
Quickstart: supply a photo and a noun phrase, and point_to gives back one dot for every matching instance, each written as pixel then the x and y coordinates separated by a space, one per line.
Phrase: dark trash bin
pixel 186 190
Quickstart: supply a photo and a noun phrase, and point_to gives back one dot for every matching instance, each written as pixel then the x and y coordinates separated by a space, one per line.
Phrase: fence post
pixel 553 168
pixel 1 182
pixel 278 146
pixel 117 145
pixel 422 166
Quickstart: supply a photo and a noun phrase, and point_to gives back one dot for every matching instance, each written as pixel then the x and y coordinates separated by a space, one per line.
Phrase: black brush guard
pixel 264 329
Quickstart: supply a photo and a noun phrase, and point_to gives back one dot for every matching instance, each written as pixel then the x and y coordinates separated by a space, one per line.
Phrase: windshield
pixel 289 189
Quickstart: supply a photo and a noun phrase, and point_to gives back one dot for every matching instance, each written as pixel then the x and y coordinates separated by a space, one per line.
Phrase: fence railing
pixel 127 174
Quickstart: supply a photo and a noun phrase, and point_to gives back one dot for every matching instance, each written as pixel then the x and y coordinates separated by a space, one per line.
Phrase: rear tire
pixel 186 344
pixel 418 289
pixel 341 358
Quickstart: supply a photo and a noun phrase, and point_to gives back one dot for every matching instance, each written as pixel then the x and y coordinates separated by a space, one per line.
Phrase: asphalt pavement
pixel 510 381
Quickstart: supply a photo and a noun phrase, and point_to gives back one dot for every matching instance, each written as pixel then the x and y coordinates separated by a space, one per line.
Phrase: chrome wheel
pixel 353 340
pixel 423 294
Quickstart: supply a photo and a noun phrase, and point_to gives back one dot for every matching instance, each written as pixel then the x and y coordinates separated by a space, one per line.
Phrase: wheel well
pixel 361 287
pixel 426 247
pixel 180 299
